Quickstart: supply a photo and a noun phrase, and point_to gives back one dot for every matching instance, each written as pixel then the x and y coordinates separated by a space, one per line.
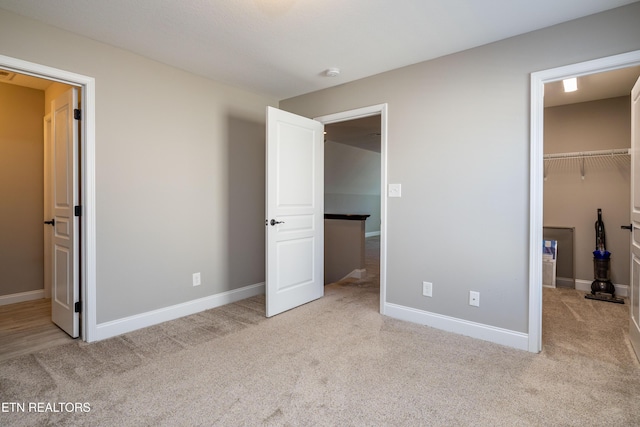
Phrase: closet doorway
pixel 587 164
pixel 85 212
pixel 538 81
pixel 27 315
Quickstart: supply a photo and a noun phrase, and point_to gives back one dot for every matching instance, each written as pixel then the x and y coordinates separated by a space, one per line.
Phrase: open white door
pixel 634 321
pixel 295 211
pixel 64 170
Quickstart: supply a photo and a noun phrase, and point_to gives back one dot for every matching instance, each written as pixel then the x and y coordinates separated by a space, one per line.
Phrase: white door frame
pixel 86 181
pixel 374 110
pixel 536 173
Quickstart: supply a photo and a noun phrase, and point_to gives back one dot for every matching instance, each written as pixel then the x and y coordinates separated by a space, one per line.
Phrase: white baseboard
pixel 120 326
pixel 358 273
pixel 21 297
pixel 564 282
pixel 621 290
pixel 371 234
pixel 506 337
pixel 585 286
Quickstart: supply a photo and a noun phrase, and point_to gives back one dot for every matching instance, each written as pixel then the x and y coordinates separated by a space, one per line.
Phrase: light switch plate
pixel 395 190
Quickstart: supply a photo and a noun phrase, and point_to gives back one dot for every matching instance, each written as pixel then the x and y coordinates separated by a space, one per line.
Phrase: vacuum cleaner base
pixel 603 296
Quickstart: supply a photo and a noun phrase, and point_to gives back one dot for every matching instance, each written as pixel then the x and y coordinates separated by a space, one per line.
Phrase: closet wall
pixel 575 188
pixel 22 189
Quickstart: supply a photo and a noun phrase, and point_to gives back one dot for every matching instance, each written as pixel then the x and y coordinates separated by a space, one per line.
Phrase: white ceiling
pixel 282 47
pixel 592 87
pixel 361 133
pixel 23 80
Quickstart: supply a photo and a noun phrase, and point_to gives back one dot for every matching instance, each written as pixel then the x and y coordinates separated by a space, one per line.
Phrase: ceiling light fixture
pixel 570 85
pixel 332 72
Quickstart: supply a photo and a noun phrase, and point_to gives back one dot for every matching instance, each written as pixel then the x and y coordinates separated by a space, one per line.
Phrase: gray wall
pixel 352 182
pixel 179 172
pixel 458 132
pixel 572 201
pixel 21 189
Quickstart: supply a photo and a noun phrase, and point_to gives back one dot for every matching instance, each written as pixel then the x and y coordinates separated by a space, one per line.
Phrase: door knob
pixel 627 227
pixel 274 222
pixel 52 222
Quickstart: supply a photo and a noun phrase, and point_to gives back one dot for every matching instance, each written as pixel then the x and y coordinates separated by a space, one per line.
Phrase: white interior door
pixel 295 211
pixel 634 321
pixel 64 170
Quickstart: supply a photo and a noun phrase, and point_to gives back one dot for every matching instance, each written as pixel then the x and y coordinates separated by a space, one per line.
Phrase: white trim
pixel 87 180
pixel 150 318
pixel 536 173
pixel 21 297
pixel 371 234
pixel 518 340
pixel 358 273
pixel 373 110
pixel 565 282
pixel 585 286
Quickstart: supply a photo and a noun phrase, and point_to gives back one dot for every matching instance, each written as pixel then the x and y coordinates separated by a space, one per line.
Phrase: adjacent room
pixel 587 167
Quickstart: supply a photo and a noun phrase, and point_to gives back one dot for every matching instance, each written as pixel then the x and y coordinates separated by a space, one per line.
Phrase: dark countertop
pixel 350 217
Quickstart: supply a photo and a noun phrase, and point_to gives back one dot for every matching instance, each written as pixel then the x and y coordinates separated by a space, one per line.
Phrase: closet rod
pixel 584 154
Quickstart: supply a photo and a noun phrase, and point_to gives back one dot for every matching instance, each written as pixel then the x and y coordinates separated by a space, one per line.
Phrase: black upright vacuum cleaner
pixel 601 288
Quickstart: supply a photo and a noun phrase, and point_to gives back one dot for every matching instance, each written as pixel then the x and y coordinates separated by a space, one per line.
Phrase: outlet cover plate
pixel 197 279
pixel 427 289
pixel 474 298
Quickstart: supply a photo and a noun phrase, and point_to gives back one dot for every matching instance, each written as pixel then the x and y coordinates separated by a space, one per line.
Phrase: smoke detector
pixel 332 72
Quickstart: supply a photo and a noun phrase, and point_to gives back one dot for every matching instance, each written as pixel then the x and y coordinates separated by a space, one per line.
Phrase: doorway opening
pixel 362 129
pixel 86 182
pixel 537 173
pixel 352 202
pixel 28 249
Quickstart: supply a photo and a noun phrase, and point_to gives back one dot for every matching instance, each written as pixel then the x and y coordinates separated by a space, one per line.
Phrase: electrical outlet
pixel 427 289
pixel 196 279
pixel 474 298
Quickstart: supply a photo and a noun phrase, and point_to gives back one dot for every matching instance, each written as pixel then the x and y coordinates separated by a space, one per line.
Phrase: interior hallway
pixel 26 327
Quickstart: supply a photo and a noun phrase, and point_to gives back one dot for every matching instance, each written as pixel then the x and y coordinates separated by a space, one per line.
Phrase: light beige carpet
pixel 336 362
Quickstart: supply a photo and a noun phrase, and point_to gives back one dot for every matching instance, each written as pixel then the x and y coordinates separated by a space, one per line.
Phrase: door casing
pixel 48 232
pixel 86 181
pixel 536 173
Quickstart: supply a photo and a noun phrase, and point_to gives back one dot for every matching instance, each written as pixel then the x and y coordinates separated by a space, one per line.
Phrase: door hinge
pixel 77 114
pixel 77 211
pixel 78 307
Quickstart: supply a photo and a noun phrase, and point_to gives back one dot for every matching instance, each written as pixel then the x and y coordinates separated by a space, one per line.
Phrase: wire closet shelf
pixel 588 154
pixel 580 156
